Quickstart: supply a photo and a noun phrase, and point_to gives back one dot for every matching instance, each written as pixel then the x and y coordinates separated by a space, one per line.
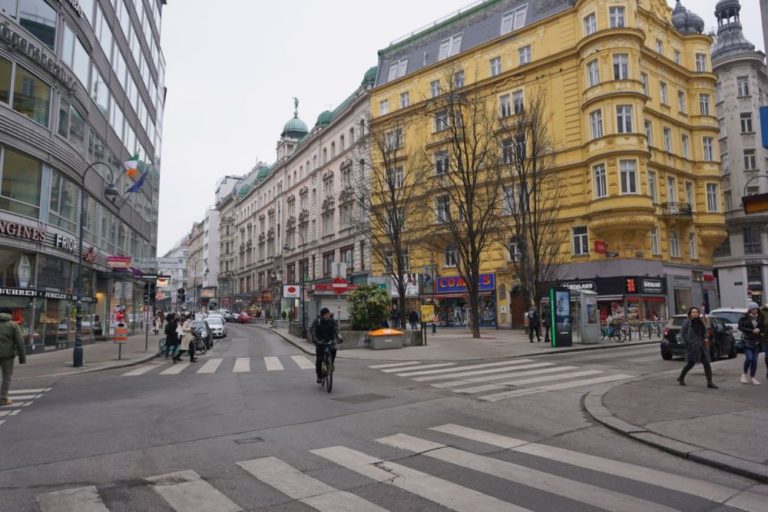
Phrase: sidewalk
pixel 723 428
pixel 102 355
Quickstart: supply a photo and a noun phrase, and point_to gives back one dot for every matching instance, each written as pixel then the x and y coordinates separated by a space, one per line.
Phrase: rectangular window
pixel 701 62
pixel 442 162
pixel 593 73
pixel 742 85
pixel 628 173
pixel 746 122
pixel 449 47
pixel 514 253
pixel 752 244
pixel 525 54
pixel 624 118
pixel 384 107
pixel 442 209
pixel 508 200
pixel 405 99
pixel 601 185
pixel 507 151
pixel 328 264
pixel 458 80
pixel 713 203
pixel 596 123
pixel 434 88
pixel 441 120
pixel 689 195
pixel 518 102
pixel 621 66
pixel 644 82
pixel 704 104
pixel 38 18
pixel 674 244
pixel 21 184
pixel 671 189
pixel 686 145
pixel 724 250
pixel 728 198
pixel 750 162
pixel 590 24
pixel 659 46
pixel 667 139
pixel 652 186
pixel 655 246
pixel 616 15
pixel 708 146
pixel 31 96
pixel 648 132
pixel 451 257
pixel 678 57
pixel 580 241
pixel 514 20
pixel 681 102
pixel 75 56
pixel 397 69
pixel 505 105
pixel 64 198
pixel 495 64
pixel 663 95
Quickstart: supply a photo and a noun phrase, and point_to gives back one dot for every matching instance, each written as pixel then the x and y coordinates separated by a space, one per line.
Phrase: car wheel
pixel 666 355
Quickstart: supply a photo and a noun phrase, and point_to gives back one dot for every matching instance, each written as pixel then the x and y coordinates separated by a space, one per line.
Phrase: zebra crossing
pixel 224 365
pixel 21 398
pixel 500 380
pixel 575 478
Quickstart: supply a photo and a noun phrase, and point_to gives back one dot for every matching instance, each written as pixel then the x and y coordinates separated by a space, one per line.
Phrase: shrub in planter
pixel 368 307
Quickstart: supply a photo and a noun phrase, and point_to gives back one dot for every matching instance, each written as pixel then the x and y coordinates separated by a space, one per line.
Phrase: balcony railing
pixel 676 209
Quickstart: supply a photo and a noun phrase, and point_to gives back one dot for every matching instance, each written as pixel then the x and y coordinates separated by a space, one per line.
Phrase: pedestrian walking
pixel 413 319
pixel 534 322
pixel 694 336
pixel 186 330
pixel 172 339
pixel 764 314
pixel 394 318
pixel 546 312
pixel 11 346
pixel 753 328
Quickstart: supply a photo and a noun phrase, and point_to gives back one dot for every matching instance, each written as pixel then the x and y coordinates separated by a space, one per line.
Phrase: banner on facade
pixel 119 262
pixel 291 291
pixel 456 284
pixel 177 263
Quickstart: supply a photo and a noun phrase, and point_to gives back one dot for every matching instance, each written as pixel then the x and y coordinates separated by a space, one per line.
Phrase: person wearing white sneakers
pixel 753 327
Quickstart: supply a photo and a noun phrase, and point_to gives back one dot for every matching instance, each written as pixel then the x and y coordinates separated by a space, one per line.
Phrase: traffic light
pixel 146 293
pixel 149 293
pixel 180 296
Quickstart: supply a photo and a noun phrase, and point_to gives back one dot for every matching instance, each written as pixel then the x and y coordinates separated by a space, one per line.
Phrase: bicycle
pixel 327 367
pixel 197 340
pixel 614 333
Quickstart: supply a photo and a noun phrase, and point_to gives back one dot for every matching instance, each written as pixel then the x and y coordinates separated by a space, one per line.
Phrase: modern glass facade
pixel 81 91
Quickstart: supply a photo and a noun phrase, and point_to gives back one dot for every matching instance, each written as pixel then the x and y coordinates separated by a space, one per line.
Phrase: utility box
pixel 382 339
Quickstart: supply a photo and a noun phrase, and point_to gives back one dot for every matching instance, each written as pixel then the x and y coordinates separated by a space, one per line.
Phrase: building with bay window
pixel 81 92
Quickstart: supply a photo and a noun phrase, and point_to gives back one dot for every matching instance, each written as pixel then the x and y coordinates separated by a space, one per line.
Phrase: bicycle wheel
pixel 329 372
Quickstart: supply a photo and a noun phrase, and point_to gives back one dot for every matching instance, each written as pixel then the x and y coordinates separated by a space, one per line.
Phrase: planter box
pixel 354 339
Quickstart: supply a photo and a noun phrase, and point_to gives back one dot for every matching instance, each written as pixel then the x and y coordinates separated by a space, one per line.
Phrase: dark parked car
pixel 205 332
pixel 719 333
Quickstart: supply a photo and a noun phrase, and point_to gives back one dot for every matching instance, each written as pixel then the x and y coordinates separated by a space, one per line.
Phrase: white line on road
pixel 185 491
pixel 175 369
pixel 509 375
pixel 141 370
pixel 9 412
pixel 523 382
pixel 298 486
pixel 210 366
pixel 273 363
pixel 571 489
pixel 78 499
pixel 554 387
pixel 303 362
pixel 242 365
pixel 422 367
pixel 27 391
pixel 675 482
pixel 26 397
pixel 470 367
pixel 442 492
pixel 393 365
pixel 483 372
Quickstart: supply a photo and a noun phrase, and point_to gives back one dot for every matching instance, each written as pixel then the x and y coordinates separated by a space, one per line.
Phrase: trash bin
pixel 386 338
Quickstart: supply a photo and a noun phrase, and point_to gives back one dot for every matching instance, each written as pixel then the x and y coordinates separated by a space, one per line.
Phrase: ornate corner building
pixel 632 118
pixel 81 82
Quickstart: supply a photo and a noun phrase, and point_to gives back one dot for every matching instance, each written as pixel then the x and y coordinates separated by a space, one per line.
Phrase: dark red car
pixel 243 318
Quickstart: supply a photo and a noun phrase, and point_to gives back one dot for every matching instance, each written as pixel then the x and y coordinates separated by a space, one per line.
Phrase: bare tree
pixel 531 195
pixel 387 200
pixel 468 183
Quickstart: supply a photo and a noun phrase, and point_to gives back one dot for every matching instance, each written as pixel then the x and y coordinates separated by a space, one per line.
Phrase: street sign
pixel 291 291
pixel 339 285
pixel 177 263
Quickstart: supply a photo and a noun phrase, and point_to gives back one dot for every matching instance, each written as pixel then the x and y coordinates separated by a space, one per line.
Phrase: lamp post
pixel 111 193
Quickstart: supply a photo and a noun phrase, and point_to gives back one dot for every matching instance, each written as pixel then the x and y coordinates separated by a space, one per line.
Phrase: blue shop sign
pixel 456 284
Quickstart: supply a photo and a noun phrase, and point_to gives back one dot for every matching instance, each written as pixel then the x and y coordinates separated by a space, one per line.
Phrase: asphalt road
pixel 247 428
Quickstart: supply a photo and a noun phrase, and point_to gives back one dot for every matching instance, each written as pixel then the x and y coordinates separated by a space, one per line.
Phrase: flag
pixel 137 186
pixel 132 166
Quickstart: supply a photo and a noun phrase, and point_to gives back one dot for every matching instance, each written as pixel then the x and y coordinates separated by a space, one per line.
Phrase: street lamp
pixel 111 194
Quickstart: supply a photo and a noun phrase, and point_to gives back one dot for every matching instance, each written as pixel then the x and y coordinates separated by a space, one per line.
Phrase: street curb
pixel 594 406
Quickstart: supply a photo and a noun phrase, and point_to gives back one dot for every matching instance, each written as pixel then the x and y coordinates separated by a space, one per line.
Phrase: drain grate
pixel 361 399
pixel 249 440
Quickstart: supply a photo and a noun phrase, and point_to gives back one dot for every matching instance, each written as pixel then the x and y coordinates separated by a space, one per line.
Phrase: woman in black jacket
pixel 753 327
pixel 694 333
pixel 172 340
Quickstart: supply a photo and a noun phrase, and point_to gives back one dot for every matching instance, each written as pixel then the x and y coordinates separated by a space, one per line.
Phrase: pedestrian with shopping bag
pixel 11 346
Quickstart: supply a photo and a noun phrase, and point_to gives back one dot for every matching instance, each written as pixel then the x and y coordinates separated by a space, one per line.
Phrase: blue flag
pixel 137 186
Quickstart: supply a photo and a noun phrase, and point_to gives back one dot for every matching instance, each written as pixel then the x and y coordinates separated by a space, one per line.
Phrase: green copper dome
pixel 369 78
pixel 295 128
pixel 263 173
pixel 324 119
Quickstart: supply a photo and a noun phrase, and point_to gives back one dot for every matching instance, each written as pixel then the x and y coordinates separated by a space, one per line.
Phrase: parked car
pixel 722 342
pixel 205 332
pixel 217 326
pixel 243 318
pixel 731 317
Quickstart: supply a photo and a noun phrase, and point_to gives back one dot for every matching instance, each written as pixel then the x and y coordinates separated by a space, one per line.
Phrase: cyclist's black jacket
pixel 325 331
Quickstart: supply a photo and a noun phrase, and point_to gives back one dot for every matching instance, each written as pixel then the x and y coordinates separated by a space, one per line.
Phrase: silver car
pixel 217 325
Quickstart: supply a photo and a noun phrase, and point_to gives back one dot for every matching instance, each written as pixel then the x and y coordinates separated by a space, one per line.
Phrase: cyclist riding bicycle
pixel 325 330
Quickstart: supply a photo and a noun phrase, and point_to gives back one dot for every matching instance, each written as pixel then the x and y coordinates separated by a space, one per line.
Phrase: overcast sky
pixel 233 69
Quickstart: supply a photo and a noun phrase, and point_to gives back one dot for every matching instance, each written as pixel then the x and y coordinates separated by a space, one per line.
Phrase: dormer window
pixel 397 69
pixel 449 47
pixel 514 20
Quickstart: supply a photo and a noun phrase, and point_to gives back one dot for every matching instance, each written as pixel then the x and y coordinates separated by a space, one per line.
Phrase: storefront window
pixel 31 96
pixel 39 18
pixel 21 182
pixel 64 199
pixel 54 273
pixel 5 80
pixel 682 300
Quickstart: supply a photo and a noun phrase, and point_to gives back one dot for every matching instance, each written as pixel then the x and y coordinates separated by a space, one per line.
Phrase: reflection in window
pixel 100 92
pixel 73 53
pixel 39 18
pixel 21 182
pixel 5 80
pixel 64 198
pixel 31 96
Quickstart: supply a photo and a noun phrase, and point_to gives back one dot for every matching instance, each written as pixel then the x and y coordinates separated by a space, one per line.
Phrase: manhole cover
pixel 361 399
pixel 249 440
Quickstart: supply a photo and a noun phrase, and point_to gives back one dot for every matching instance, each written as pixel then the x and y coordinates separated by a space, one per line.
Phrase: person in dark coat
pixel 694 333
pixel 413 319
pixel 11 345
pixel 324 331
pixel 752 326
pixel 534 322
pixel 172 340
pixel 546 321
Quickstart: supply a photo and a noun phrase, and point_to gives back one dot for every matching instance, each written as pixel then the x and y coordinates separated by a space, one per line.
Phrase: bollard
pixel 434 328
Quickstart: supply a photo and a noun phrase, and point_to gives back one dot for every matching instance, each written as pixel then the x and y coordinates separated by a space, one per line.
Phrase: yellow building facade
pixel 630 99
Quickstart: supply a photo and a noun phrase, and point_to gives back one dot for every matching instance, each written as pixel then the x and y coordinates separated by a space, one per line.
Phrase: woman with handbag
pixel 694 336
pixel 753 328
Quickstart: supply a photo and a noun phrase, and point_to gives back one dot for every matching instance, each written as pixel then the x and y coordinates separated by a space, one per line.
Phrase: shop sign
pixel 23 271
pixel 90 255
pixel 600 247
pixel 171 263
pixel 655 286
pixel 22 231
pixel 43 294
pixel 456 284
pixel 578 286
pixel 119 262
pixel 65 243
pixel 291 291
pixel 26 47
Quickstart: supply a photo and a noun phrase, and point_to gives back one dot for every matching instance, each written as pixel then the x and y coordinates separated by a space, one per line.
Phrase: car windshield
pixel 677 321
pixel 215 320
pixel 732 317
pixel 198 325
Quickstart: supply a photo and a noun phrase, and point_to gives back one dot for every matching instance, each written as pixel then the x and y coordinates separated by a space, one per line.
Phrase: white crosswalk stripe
pixel 531 380
pixel 188 491
pixel 22 398
pixel 310 491
pixel 14 392
pixel 242 365
pixel 210 366
pixel 303 362
pixel 273 363
pixel 554 387
pixel 393 365
pixel 141 370
pixel 420 367
pixel 217 364
pixel 502 376
pixel 175 369
pixel 463 368
pixel 513 368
